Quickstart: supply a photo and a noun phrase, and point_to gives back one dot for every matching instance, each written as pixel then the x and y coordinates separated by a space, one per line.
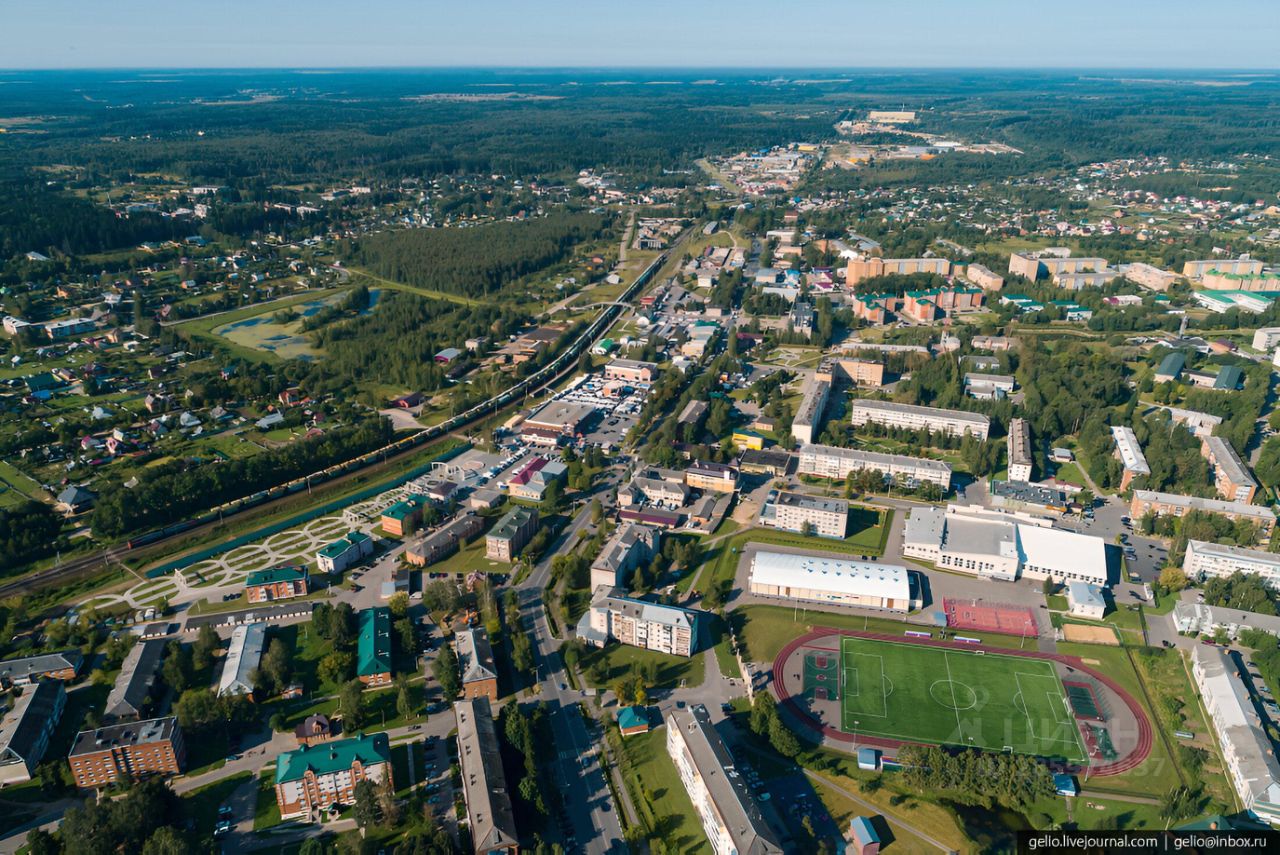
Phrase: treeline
pixel 27 532
pixel 36 217
pixel 975 777
pixel 475 262
pixel 177 490
pixel 397 343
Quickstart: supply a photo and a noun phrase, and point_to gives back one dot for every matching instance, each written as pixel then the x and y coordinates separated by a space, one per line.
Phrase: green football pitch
pixel 955 697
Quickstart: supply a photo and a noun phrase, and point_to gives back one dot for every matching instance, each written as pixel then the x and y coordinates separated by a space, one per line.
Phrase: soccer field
pixel 955 697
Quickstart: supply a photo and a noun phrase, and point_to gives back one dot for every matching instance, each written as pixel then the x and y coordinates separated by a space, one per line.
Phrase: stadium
pixel 872 689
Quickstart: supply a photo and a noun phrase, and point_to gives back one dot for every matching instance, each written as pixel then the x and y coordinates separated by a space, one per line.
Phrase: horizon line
pixel 1239 70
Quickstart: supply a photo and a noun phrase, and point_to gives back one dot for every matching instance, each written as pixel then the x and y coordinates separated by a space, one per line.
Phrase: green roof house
pixel 313 777
pixel 373 665
pixel 276 583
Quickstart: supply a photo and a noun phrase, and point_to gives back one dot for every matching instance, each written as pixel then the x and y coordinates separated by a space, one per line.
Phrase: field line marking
pixel 952 684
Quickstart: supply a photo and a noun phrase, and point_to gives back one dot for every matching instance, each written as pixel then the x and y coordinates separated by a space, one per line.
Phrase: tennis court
pixel 931 694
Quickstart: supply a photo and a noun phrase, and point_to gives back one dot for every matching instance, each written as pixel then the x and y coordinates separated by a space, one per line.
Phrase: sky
pixel 1165 34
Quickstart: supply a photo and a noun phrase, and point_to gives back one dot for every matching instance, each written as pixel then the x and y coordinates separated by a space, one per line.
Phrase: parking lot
pixel 615 413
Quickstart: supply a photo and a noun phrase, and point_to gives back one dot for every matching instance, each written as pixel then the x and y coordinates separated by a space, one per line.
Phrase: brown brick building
pixel 125 752
pixel 278 583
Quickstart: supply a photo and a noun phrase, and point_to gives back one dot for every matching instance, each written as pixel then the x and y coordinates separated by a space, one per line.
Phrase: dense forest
pixel 27 532
pixel 174 491
pixel 475 262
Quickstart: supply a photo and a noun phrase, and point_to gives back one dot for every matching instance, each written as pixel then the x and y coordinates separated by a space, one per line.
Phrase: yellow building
pixel 748 439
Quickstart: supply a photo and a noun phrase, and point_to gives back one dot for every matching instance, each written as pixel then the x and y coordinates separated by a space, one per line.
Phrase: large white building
pixel 807 422
pixel 829 461
pixel 999 546
pixel 730 815
pixel 796 511
pixel 639 623
pixel 1019 450
pixel 1247 752
pixel 912 417
pixel 825 579
pixel 1204 559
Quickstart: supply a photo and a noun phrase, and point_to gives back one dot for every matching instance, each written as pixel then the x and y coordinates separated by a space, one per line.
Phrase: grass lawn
pixel 949 697
pixel 379 709
pixel 619 659
pixel 902 842
pixel 202 804
pixel 655 787
pixel 1158 774
pixel 1070 473
pixel 266 812
pixel 470 558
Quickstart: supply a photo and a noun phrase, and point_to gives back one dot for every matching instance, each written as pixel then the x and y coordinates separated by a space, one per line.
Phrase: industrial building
pixel 832 581
pixel 243 656
pixel 997 546
pixel 988 387
pixel 639 623
pixel 133 686
pixel 1129 452
pixel 484 785
pixel 1230 476
pixel 1019 450
pixel 829 461
pixel 555 422
pixel 807 423
pixel 126 752
pixel 730 815
pixel 630 371
pixel 1162 504
pixel 911 417
pixel 1246 749
pixel 806 514
pixel 1242 266
pixel 1203 560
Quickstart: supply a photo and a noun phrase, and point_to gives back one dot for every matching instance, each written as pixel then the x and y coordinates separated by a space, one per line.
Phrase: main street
pixel 584 790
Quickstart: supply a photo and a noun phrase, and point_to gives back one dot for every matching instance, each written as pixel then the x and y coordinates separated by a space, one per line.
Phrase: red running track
pixel 1130 761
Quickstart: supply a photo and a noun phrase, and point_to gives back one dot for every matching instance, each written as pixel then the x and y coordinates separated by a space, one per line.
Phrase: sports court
pixel 982 616
pixel 920 693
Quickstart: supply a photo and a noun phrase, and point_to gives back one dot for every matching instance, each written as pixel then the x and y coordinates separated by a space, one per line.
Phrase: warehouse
pixel 822 579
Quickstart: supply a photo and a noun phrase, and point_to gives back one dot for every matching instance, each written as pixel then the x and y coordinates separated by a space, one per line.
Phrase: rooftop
pixel 374 649
pixel 822 573
pixel 133 733
pixel 330 757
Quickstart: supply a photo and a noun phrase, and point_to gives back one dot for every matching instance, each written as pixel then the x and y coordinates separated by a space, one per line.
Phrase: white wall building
pixel 1247 752
pixel 808 419
pixel 796 511
pixel 242 659
pixel 829 461
pixel 1019 450
pixel 911 417
pixel 1203 559
pixel 833 581
pixel 730 815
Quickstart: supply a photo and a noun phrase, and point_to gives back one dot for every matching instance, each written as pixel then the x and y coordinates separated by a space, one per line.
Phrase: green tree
pixel 404 700
pixel 205 646
pixel 177 669
pixel 399 605
pixel 366 804
pixel 445 669
pixel 351 702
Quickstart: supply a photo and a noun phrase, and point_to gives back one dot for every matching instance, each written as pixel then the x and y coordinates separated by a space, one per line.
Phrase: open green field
pixel 955 697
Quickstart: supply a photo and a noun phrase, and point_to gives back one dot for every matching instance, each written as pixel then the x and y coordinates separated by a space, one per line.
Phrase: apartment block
pixel 132 689
pixel 1203 560
pixel 798 512
pixel 62 665
pixel 868 268
pixel 475 664
pixel 1242 266
pixel 631 546
pixel 1129 452
pixel 716 477
pixel 924 307
pixel 311 778
pixel 373 649
pixel 506 539
pixel 828 461
pixel 730 814
pixel 639 623
pixel 27 728
pixel 911 417
pixel 983 277
pixel 484 785
pixel 126 752
pixel 1169 504
pixel 1230 476
pixel 445 540
pixel 1019 450
pixel 344 552
pixel 860 372
pixel 1148 276
pixel 808 418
